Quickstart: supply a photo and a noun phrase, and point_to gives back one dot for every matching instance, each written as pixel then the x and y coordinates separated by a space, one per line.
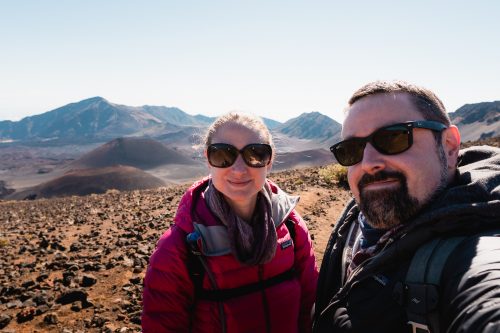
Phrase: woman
pixel 230 263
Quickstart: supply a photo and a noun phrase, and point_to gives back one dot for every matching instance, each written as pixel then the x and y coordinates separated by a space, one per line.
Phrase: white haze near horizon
pixel 277 59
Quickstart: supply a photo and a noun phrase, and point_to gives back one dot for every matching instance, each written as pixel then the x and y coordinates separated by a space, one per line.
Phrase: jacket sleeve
pixel 168 289
pixel 471 279
pixel 305 265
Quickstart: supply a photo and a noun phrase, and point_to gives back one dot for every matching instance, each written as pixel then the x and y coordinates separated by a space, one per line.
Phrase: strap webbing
pixel 422 281
pixel 225 294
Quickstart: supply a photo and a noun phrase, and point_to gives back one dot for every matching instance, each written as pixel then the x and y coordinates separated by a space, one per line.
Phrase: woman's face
pixel 239 183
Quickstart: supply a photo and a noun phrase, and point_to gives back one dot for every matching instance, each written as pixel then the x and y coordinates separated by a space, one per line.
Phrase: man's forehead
pixel 373 112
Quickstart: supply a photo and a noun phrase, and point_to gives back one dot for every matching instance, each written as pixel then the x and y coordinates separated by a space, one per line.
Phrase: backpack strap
pixel 422 283
pixel 195 264
pixel 197 267
pixel 290 225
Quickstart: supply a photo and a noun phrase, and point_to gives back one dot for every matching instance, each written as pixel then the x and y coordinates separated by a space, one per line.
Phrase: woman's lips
pixel 240 183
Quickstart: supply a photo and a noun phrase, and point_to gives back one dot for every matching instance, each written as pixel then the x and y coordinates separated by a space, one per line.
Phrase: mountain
pixel 176 116
pixel 97 120
pixel 313 126
pixel 88 181
pixel 301 159
pixel 94 118
pixel 141 153
pixel 477 121
pixel 271 124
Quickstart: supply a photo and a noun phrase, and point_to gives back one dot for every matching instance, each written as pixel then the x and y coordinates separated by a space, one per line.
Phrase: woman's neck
pixel 245 209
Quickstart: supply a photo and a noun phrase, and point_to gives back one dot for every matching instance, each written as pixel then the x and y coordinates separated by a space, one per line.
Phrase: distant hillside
pixel 478 121
pixel 306 158
pixel 312 125
pixel 88 181
pixel 94 118
pixel 137 152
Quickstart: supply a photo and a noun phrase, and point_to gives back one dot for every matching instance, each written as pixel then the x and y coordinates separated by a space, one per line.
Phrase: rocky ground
pixel 76 264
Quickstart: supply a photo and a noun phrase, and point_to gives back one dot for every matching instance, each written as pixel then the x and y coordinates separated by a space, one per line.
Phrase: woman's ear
pixel 206 157
pixel 451 145
pixel 269 167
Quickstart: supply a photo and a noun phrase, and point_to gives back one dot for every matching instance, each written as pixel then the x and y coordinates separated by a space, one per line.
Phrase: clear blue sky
pixel 276 59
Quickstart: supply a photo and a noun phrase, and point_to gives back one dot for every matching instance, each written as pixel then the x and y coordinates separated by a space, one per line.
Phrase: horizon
pixel 264 117
pixel 277 60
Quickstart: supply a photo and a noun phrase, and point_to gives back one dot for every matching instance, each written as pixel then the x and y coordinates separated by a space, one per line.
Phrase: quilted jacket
pixel 169 302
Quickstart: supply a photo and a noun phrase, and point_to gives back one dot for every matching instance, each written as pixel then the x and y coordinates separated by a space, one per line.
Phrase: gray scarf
pixel 251 243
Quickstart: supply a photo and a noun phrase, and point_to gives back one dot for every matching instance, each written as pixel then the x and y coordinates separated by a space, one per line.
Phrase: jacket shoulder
pixel 470 280
pixel 183 218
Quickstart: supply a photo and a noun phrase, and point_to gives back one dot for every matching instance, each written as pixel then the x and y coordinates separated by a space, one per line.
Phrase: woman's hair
pixel 251 122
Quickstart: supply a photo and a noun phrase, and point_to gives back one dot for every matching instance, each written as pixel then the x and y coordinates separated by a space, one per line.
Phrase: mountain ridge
pixel 95 119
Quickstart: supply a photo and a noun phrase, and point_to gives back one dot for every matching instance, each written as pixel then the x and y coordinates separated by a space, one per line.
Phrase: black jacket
pixel 470 285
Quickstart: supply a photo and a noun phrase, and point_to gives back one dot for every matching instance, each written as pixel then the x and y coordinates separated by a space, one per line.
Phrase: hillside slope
pixel 77 263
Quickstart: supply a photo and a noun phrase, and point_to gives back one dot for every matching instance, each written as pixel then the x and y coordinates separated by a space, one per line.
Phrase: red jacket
pixel 168 298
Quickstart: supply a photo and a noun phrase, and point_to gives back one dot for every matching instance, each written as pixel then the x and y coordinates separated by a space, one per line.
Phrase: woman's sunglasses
pixel 223 155
pixel 388 140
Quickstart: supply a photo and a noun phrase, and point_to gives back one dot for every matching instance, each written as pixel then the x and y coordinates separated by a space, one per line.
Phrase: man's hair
pixel 426 102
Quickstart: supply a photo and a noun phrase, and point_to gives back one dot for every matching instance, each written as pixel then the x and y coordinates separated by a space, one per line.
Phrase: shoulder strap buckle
pixel 192 241
pixel 418 327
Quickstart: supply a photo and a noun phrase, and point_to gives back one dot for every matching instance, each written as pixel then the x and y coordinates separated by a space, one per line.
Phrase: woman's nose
pixel 239 165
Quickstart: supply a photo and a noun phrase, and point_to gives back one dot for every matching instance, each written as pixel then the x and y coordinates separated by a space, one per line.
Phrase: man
pixel 411 185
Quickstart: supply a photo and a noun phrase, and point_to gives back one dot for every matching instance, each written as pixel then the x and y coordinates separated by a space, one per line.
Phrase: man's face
pixel 390 189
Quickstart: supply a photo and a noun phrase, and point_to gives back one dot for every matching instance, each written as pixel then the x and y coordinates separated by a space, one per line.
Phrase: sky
pixel 274 58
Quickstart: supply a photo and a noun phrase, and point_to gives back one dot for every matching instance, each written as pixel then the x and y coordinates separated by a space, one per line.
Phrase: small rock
pixel 42 277
pixel 28 284
pixel 25 315
pixel 98 321
pixel 136 280
pixel 76 306
pixel 88 280
pixel 14 304
pixel 136 319
pixel 4 320
pixel 72 295
pixel 51 319
pixel 42 309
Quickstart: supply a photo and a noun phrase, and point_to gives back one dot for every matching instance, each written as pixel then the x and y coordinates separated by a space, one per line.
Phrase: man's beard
pixel 387 208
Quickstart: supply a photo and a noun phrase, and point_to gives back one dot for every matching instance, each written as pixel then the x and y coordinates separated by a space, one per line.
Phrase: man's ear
pixel 451 145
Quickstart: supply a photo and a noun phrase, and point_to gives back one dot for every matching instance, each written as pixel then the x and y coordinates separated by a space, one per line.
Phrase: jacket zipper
pixel 264 301
pixel 354 273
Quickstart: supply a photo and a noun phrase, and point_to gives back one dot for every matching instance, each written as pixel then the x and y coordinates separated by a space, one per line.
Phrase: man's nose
pixel 372 161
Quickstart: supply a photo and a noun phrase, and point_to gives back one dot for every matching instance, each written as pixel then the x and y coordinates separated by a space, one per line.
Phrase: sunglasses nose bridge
pixel 371 156
pixel 239 163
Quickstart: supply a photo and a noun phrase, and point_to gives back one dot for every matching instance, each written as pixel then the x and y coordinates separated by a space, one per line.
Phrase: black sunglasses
pixel 223 155
pixel 388 140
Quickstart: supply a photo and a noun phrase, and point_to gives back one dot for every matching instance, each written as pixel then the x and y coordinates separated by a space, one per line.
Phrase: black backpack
pixel 419 294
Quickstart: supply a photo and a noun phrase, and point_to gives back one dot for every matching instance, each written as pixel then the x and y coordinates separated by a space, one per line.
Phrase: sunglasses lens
pixel 392 141
pixel 349 152
pixel 221 155
pixel 257 155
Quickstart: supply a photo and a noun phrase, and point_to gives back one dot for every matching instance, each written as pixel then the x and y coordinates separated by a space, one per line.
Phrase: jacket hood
pixel 474 191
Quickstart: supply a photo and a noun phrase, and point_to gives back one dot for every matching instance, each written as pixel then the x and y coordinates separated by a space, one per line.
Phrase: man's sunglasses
pixel 388 140
pixel 223 155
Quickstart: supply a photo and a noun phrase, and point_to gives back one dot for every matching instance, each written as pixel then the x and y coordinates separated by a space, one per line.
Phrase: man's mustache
pixel 380 176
